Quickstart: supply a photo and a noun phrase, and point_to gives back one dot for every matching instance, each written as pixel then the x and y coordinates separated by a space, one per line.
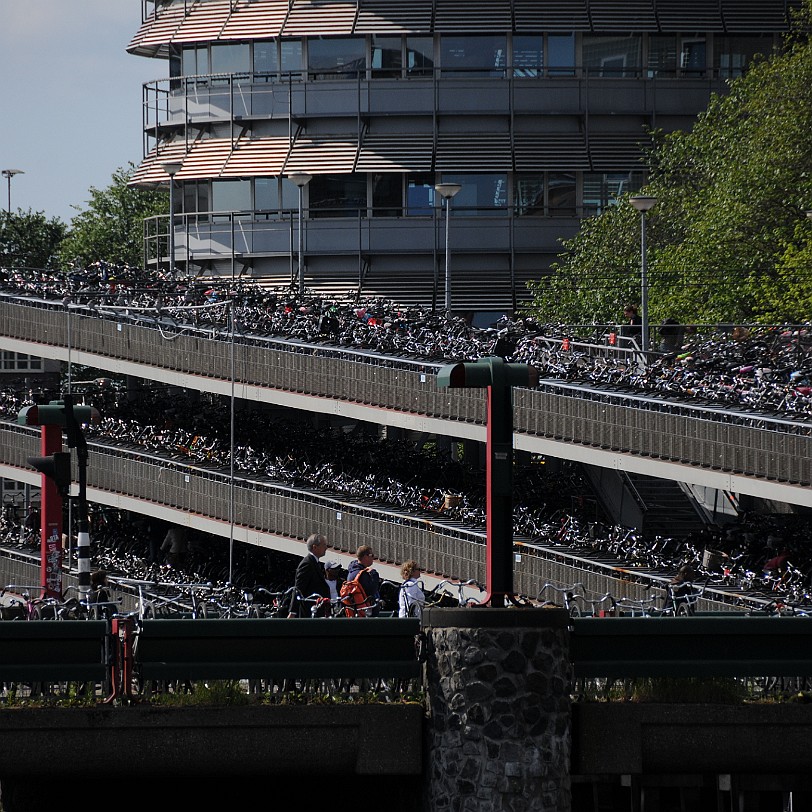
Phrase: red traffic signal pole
pixel 51 520
pixel 499 378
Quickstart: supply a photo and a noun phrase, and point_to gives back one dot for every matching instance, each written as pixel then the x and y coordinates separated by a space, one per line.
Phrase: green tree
pixel 111 228
pixel 728 240
pixel 29 240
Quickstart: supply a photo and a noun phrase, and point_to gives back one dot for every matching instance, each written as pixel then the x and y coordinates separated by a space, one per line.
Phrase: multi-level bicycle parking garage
pixel 711 447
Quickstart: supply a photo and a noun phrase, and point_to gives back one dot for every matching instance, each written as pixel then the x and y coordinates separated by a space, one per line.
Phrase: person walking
pixel 411 597
pixel 310 578
pixel 368 578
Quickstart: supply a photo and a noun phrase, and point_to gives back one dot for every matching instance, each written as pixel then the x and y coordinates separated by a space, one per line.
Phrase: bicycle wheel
pixel 574 610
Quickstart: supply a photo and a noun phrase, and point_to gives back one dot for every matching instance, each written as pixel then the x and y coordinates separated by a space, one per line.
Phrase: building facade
pixel 305 139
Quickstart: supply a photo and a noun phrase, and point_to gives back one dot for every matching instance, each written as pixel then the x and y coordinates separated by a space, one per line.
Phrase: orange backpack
pixel 354 597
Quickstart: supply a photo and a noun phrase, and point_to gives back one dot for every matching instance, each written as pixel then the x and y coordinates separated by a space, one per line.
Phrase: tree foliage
pixel 728 240
pixel 29 239
pixel 111 228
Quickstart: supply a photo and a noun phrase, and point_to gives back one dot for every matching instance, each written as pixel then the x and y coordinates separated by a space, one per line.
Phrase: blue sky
pixel 70 99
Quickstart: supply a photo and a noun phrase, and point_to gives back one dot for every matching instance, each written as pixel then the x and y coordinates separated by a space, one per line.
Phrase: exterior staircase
pixel 667 509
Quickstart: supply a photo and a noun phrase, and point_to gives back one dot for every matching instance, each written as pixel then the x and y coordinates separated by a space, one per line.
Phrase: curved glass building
pixel 305 140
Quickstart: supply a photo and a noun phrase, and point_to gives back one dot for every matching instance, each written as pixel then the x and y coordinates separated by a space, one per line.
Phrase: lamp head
pixel 301 179
pixel 10 173
pixel 447 190
pixel 172 168
pixel 643 202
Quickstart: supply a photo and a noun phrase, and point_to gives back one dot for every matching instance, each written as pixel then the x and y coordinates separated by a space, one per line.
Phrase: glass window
pixel 662 56
pixel 290 194
pixel 387 56
pixel 291 51
pixel 483 195
pixel 602 190
pixel 266 194
pixel 337 195
pixel 612 56
pixel 561 54
pixel 419 194
pixel 561 199
pixel 419 56
pixel 233 59
pixel 734 54
pixel 528 55
pixel 692 55
pixel 387 189
pixel 175 61
pixel 231 195
pixel 195 197
pixel 195 61
pixel 266 57
pixel 473 56
pixel 528 194
pixel 20 361
pixel 336 57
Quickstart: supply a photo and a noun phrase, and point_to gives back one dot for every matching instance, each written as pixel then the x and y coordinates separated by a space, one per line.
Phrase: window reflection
pixel 231 196
pixel 387 57
pixel 734 54
pixel 231 59
pixel 692 55
pixel 473 56
pixel 481 194
pixel 266 194
pixel 419 194
pixel 528 55
pixel 196 197
pixel 266 59
pixel 528 194
pixel 419 56
pixel 662 56
pixel 561 194
pixel 602 190
pixel 337 195
pixel 291 56
pixel 612 56
pixel 561 54
pixel 336 57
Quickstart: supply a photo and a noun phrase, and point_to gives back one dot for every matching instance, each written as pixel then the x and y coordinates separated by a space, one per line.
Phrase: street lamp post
pixel 171 168
pixel 8 174
pixel 643 203
pixel 447 191
pixel 301 179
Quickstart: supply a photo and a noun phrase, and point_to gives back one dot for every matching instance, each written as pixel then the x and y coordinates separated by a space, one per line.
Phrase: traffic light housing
pixel 55 414
pixel 486 372
pixel 56 467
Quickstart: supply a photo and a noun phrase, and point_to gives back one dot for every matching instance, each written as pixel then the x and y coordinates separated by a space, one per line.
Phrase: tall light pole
pixel 171 168
pixel 8 174
pixel 447 191
pixel 301 179
pixel 643 203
